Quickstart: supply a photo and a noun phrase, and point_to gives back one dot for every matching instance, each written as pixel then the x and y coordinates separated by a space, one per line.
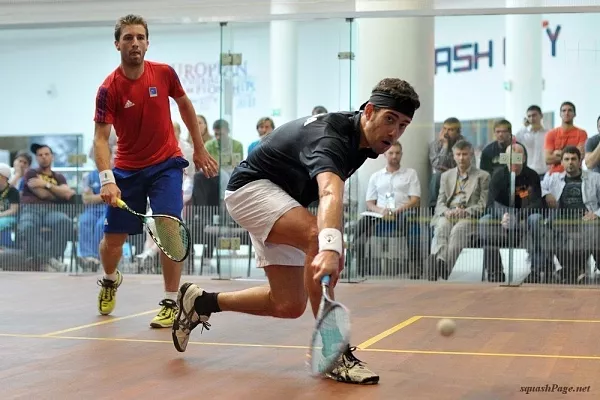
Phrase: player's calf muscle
pixel 111 250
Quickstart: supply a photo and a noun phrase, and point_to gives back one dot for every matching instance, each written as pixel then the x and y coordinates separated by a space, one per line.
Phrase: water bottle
pixel 390 203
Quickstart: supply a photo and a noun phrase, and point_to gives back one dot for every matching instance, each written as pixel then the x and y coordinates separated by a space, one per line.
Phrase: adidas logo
pixel 129 104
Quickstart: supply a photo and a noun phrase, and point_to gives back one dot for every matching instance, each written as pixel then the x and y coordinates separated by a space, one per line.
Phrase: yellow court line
pixel 107 321
pixel 469 353
pixel 21 335
pixel 274 346
pixel 592 321
pixel 105 339
pixel 383 335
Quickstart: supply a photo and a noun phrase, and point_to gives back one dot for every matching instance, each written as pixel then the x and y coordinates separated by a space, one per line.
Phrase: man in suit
pixel 461 200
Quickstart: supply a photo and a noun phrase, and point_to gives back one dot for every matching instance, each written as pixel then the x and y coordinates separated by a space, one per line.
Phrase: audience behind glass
pixel 547 204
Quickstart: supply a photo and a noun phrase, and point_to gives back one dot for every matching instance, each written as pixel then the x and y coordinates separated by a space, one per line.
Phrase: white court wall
pixel 49 78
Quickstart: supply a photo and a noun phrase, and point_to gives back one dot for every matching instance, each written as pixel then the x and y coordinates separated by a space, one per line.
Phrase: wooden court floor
pixel 53 345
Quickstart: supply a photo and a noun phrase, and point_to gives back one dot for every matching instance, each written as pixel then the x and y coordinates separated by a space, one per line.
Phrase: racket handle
pixel 325 280
pixel 121 203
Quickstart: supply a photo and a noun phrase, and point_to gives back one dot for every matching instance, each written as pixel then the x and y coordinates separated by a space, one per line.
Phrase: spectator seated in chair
pixel 441 157
pixel 44 190
pixel 490 155
pixel 264 127
pixel 223 148
pixel 392 193
pixel 504 225
pixel 573 225
pixel 462 197
pixel 21 164
pixel 9 200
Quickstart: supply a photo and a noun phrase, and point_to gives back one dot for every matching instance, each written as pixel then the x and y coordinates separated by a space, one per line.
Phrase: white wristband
pixel 107 176
pixel 331 239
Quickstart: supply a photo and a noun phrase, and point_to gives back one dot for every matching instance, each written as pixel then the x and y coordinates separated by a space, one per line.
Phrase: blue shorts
pixel 161 183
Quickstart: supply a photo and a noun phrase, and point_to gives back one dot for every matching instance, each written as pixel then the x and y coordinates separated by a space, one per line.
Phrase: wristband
pixel 106 177
pixel 331 239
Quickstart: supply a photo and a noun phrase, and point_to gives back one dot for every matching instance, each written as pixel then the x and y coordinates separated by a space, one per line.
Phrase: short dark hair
pixel 453 121
pixel 572 150
pixel 220 124
pixel 396 144
pixel 130 19
pixel 24 154
pixel 503 122
pixel 568 103
pixel 535 108
pixel 36 146
pixel 319 110
pixel 263 120
pixel 462 145
pixel 399 89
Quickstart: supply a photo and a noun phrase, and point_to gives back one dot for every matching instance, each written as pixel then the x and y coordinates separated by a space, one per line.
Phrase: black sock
pixel 207 304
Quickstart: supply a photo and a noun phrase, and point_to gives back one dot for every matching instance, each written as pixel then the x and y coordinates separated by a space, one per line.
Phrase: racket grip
pixel 121 203
pixel 325 280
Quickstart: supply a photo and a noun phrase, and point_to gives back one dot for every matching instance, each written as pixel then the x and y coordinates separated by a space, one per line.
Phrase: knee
pixel 57 219
pixel 25 226
pixel 534 220
pixel 290 309
pixel 486 219
pixel 114 240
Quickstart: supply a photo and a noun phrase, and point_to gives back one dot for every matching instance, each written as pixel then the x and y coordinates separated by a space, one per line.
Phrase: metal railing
pixel 546 246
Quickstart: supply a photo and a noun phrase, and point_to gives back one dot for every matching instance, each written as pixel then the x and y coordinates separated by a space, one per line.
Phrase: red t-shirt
pixel 558 139
pixel 140 112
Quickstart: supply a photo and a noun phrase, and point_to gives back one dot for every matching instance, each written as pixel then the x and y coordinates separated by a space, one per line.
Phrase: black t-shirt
pixel 296 152
pixel 528 191
pixel 8 196
pixel 572 198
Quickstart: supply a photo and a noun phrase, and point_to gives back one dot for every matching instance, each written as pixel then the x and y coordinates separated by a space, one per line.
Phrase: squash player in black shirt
pixel 300 162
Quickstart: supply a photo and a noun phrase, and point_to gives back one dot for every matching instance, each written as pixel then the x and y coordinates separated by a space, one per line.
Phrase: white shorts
pixel 256 207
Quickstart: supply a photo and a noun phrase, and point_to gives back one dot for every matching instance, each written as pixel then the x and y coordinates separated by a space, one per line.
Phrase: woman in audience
pixel 20 165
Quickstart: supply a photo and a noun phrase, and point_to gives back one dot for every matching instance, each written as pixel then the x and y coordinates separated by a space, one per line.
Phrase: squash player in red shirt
pixel 149 163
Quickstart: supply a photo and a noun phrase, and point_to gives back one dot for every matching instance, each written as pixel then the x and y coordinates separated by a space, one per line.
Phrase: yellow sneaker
pixel 166 315
pixel 108 292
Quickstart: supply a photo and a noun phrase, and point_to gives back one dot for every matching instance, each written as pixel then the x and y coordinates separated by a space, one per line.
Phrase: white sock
pixel 111 277
pixel 171 296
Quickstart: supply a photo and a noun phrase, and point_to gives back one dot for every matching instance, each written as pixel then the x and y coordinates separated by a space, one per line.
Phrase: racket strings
pixel 170 235
pixel 331 339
